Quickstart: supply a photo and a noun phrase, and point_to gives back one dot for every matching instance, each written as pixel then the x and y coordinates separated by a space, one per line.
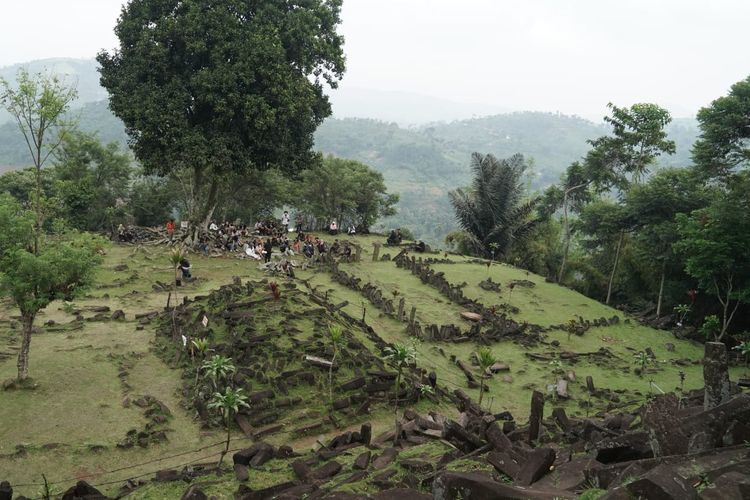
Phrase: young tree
pixel 621 160
pixel 399 356
pixel 494 209
pixel 228 403
pixel 218 88
pixel 38 104
pixel 93 180
pixel 218 368
pixel 59 269
pixel 336 336
pixel 486 360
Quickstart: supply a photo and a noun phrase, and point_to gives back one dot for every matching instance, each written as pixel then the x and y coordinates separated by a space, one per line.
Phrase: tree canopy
pixel 222 87
pixel 724 142
pixel 495 211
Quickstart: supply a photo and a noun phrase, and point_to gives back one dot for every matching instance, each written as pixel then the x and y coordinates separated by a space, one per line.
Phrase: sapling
pixel 228 403
pixel 642 358
pixel 486 360
pixel 218 368
pixel 399 356
pixel 336 336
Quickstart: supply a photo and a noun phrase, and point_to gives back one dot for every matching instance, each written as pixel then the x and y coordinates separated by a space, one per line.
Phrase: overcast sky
pixel 572 56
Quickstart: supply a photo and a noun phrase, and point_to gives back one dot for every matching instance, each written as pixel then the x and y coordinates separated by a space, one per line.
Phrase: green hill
pixel 421 163
pixel 115 397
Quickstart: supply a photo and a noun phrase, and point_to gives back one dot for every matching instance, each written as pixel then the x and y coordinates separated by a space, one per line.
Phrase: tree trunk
pixel 661 288
pixel 23 354
pixel 614 267
pixel 566 245
pixel 481 389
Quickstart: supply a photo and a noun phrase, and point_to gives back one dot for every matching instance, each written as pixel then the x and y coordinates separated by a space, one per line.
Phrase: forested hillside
pixel 419 163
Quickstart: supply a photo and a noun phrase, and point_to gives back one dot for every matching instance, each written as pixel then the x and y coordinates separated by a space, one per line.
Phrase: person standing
pixel 285 221
pixel 268 249
pixel 170 229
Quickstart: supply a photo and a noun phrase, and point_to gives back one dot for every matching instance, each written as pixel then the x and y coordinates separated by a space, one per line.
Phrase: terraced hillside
pixel 117 399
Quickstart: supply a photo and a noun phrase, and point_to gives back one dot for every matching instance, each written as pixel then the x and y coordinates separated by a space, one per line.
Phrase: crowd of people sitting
pixel 272 237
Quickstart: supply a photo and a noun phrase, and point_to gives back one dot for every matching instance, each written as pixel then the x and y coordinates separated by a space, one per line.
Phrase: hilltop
pixel 115 396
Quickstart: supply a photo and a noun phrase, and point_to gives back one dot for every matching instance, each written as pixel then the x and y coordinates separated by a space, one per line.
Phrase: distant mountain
pixel 404 108
pixel 421 163
pixel 82 72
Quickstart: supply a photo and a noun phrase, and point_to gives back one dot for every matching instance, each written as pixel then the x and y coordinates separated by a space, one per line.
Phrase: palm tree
pixel 336 336
pixel 493 209
pixel 217 368
pixel 228 403
pixel 486 360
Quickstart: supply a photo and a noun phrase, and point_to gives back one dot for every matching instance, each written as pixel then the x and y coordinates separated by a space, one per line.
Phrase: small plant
pixel 228 403
pixel 571 327
pixel 744 349
pixel 557 366
pixel 400 356
pixel 175 258
pixel 642 359
pixel 199 346
pixel 336 336
pixel 426 390
pixel 275 290
pixel 711 327
pixel 68 307
pixel 682 311
pixel 218 368
pixel 511 286
pixel 486 360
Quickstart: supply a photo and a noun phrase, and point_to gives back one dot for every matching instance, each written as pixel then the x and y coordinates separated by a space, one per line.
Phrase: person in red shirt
pixel 170 228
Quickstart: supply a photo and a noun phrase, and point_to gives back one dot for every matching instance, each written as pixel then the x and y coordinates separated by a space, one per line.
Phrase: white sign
pixel 184 341
pixel 205 321
pixel 183 224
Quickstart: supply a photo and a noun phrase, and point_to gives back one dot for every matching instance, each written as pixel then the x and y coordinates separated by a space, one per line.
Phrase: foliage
pixel 642 359
pixel 744 349
pixel 61 268
pixel 93 181
pixel 151 200
pixel 336 337
pixel 399 356
pixel 347 191
pixel 714 242
pixel 725 132
pixel 486 359
pixel 228 403
pixel 711 327
pixel 494 210
pixel 37 104
pixel 219 88
pixel 218 369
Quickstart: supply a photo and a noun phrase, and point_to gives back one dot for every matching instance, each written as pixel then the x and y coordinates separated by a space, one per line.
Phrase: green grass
pixel 69 426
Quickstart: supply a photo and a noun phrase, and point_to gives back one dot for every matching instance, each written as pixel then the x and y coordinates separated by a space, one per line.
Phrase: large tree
pixel 714 242
pixel 495 211
pixel 347 191
pixel 724 143
pixel 623 159
pixel 219 88
pixel 93 182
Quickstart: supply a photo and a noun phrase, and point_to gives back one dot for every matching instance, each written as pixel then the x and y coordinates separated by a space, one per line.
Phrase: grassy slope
pixel 77 407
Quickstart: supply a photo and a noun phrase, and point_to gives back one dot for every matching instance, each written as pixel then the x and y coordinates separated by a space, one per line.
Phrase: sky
pixel 571 56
